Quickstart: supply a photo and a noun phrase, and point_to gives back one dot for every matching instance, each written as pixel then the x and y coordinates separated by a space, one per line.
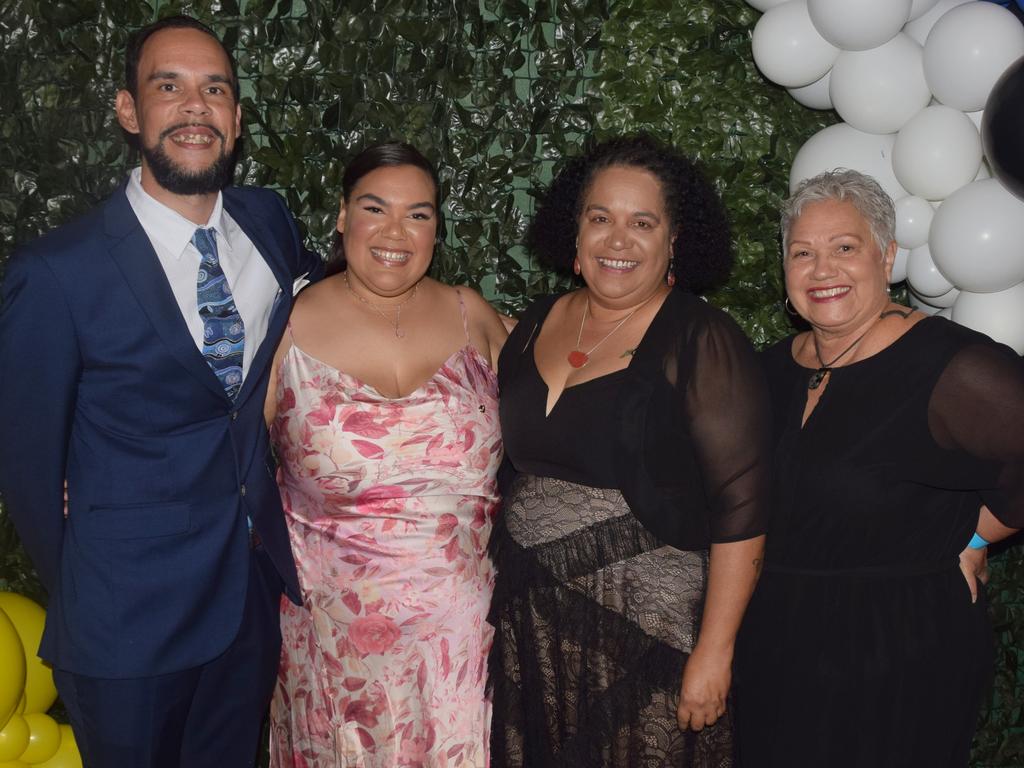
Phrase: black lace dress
pixel 861 647
pixel 602 553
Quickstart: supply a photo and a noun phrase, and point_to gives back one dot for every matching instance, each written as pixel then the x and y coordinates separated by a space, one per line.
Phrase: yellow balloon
pixel 43 738
pixel 13 738
pixel 28 618
pixel 14 764
pixel 12 669
pixel 67 755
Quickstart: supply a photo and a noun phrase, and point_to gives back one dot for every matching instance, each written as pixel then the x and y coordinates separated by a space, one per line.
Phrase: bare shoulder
pixel 317 292
pixel 315 299
pixel 477 307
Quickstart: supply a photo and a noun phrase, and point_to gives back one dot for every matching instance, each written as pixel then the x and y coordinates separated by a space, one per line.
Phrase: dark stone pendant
pixel 817 377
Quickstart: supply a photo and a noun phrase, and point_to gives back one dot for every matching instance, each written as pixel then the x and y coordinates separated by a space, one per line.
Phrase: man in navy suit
pixel 134 350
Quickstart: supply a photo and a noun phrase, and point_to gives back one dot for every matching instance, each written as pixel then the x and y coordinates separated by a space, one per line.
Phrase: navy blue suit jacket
pixel 102 384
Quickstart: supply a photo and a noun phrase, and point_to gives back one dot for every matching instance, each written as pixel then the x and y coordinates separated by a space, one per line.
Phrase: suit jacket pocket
pixel 136 521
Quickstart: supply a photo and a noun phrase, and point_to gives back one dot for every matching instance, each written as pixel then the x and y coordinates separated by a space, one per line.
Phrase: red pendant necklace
pixel 578 358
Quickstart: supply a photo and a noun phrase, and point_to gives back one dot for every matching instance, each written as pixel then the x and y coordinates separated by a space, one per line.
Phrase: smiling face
pixel 625 237
pixel 388 226
pixel 835 275
pixel 184 113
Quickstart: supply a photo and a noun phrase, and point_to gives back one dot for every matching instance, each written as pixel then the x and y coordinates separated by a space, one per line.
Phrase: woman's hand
pixel 706 681
pixel 974 566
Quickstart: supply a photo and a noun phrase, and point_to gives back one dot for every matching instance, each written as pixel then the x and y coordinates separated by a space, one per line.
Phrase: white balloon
pixel 922 306
pixel 923 276
pixel 843 146
pixel 976 237
pixel 945 300
pixel 764 5
pixel 788 49
pixel 946 312
pixel 814 95
pixel 899 266
pixel 999 315
pixel 860 25
pixel 913 217
pixel 919 27
pixel 920 7
pixel 984 172
pixel 937 152
pixel 967 50
pixel 879 90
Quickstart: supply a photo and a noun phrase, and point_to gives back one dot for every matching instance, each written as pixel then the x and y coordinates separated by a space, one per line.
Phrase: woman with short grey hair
pixel 867 642
pixel 842 184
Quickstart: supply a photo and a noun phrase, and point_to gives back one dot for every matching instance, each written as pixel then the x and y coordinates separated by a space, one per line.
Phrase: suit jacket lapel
pixel 268 248
pixel 132 251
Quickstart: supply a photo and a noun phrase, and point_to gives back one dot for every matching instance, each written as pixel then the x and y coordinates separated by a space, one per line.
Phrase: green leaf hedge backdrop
pixel 497 92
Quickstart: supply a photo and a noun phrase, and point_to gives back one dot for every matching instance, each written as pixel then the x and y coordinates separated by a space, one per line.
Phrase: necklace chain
pixel 397 308
pixel 578 358
pixel 819 375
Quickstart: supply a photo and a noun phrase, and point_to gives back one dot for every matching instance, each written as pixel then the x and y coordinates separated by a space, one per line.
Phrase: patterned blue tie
pixel 223 330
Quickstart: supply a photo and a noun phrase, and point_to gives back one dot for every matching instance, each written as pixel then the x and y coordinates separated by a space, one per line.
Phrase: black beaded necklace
pixel 819 375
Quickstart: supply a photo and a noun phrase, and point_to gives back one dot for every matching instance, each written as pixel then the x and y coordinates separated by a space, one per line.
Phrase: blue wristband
pixel 977 542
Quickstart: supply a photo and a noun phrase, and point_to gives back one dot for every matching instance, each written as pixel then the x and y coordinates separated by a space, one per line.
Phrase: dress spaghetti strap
pixel 465 316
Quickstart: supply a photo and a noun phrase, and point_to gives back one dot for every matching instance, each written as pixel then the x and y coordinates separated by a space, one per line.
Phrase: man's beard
pixel 180 181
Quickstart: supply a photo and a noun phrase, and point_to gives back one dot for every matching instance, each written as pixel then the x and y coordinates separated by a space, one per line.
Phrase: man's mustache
pixel 168 131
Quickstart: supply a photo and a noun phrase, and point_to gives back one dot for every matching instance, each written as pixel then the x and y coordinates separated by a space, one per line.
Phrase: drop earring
pixel 576 266
pixel 670 276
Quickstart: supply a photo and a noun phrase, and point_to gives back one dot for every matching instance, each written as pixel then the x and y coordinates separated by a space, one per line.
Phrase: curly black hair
pixel 702 255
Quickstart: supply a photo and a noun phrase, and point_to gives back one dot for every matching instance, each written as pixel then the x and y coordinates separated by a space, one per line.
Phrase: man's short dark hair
pixel 136 42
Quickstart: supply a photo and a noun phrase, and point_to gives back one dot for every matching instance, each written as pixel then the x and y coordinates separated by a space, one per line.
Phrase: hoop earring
pixel 789 307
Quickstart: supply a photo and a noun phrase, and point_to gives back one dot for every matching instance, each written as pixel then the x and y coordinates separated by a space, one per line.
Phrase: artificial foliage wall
pixel 497 92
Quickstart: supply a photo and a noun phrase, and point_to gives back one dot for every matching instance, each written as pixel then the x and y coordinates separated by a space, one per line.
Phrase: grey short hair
pixel 844 185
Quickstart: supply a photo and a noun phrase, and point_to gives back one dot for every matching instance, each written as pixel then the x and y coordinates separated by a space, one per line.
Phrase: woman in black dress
pixel 636 419
pixel 864 644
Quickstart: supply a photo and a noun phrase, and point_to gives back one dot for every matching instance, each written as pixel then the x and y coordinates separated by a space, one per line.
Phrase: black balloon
pixel 1002 128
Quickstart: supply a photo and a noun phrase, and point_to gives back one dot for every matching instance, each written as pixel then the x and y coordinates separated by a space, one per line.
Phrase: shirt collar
pixel 166 226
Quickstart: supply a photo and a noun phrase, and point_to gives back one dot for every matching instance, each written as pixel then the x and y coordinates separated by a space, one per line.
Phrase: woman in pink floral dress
pixel 384 417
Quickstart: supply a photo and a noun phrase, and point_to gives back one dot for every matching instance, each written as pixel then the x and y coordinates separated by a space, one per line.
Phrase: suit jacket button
pixel 234 415
pixel 241 490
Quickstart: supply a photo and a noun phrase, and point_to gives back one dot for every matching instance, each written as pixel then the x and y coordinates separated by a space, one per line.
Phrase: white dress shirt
pixel 253 285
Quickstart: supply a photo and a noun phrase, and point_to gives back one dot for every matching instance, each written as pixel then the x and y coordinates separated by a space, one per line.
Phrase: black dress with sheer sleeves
pixel 861 647
pixel 602 550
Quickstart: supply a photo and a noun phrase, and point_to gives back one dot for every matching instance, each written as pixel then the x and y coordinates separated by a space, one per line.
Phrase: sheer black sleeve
pixel 727 405
pixel 977 409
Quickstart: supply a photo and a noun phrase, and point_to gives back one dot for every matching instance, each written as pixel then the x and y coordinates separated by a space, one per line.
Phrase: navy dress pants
pixel 207 716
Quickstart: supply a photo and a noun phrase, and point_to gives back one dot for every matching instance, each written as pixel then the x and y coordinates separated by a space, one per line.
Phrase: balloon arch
pixel 931 93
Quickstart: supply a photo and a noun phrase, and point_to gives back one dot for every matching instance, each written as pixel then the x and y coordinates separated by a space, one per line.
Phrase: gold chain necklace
pixel 397 308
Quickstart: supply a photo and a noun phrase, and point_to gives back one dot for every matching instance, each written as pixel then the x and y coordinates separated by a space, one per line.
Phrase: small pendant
pixel 578 359
pixel 817 377
pixel 399 333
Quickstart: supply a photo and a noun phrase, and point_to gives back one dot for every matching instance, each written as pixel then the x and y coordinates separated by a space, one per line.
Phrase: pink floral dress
pixel 389 505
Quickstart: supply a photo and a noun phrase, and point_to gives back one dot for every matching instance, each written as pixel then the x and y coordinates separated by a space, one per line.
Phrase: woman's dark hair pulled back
pixel 385 155
pixel 702 254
